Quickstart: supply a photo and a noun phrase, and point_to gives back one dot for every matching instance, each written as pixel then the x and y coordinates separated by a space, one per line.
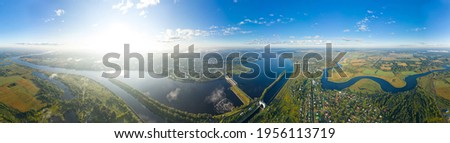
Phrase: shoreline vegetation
pixel 91 103
pixel 429 101
pixel 175 115
pixel 172 114
pixel 237 69
pixel 79 62
pixel 169 113
pixel 15 105
pixel 245 99
pixel 263 94
pixel 95 103
pixel 249 116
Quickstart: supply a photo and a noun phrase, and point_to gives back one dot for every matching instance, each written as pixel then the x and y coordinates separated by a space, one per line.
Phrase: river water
pixel 187 96
pixel 193 96
pixel 411 82
pixel 67 93
pixel 145 114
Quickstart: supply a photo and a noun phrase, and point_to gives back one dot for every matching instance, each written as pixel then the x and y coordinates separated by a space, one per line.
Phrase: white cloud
pixel 391 22
pixel 230 30
pixel 350 39
pixel 287 42
pixel 53 76
pixel 224 106
pixel 363 24
pixel 346 30
pixel 171 35
pixel 38 44
pixel 59 12
pixel 312 37
pixel 123 6
pixel 175 35
pixel 145 3
pixel 246 32
pixel 213 27
pixel 363 27
pixel 49 20
pixel 225 31
pixel 418 29
pixel 143 13
pixel 221 103
pixel 272 19
pixel 217 95
pixel 173 95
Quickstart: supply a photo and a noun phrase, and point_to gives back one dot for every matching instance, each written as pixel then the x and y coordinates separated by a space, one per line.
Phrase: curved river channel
pixel 411 82
pixel 191 101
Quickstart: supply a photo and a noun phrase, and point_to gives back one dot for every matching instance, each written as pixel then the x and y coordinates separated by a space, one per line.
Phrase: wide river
pixel 145 114
pixel 187 96
pixel 193 97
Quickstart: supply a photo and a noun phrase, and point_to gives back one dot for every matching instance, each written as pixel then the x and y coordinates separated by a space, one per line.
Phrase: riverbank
pixel 411 82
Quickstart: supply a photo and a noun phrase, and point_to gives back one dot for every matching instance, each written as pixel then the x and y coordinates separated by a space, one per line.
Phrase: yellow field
pixel 386 75
pixel 442 89
pixel 366 85
pixel 358 62
pixel 402 64
pixel 19 93
pixel 386 68
pixel 401 55
pixel 364 68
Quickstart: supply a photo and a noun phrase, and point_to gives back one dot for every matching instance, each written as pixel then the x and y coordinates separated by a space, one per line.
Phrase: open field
pixel 393 67
pixel 19 93
pixel 95 103
pixel 25 97
pixel 442 89
pixel 388 76
pixel 366 85
pixel 17 90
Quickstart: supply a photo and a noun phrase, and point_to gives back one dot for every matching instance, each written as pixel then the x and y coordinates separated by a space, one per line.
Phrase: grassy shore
pixel 263 94
pixel 25 97
pixel 241 95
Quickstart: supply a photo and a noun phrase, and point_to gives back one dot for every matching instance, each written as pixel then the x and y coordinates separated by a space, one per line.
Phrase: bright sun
pixel 111 37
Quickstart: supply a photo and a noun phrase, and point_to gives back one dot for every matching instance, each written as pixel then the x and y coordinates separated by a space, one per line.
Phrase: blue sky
pixel 225 23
